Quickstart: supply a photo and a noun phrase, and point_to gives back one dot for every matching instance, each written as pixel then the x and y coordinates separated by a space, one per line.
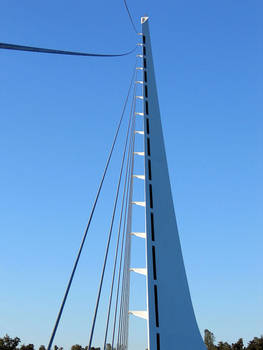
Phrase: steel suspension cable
pixel 91 215
pixel 126 334
pixel 126 324
pixel 122 312
pixel 126 319
pixel 25 48
pixel 124 297
pixel 131 131
pixel 108 241
pixel 122 249
pixel 125 307
pixel 15 47
pixel 126 314
pixel 120 267
pixel 127 265
pixel 129 14
pixel 124 278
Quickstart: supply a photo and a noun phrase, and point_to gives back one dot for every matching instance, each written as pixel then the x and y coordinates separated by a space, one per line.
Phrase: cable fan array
pixel 117 319
pixel 118 307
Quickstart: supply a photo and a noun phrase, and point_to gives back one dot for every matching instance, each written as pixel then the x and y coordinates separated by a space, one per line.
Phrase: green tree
pixel 223 346
pixel 255 344
pixel 27 347
pixel 42 347
pixel 8 343
pixel 209 340
pixel 77 347
pixel 239 345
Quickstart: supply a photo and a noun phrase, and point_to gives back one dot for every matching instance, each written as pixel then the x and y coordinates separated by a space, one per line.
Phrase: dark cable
pixel 90 219
pixel 125 3
pixel 127 289
pixel 109 239
pixel 122 244
pixel 125 279
pixel 119 230
pixel 58 52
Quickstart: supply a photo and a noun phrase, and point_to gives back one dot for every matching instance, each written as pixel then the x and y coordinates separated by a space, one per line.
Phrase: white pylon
pixel 170 315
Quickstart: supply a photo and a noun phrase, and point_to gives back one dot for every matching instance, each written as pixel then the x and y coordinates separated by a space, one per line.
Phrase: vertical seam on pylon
pixel 156 305
pixel 158 341
pixel 150 193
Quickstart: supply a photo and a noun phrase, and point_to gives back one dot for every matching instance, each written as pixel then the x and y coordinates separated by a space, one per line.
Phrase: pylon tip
pixel 144 19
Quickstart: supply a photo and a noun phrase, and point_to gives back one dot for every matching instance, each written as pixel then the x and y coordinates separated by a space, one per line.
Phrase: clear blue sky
pixel 58 115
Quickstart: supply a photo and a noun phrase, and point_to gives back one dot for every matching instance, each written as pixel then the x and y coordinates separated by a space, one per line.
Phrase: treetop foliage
pixel 8 343
pixel 209 339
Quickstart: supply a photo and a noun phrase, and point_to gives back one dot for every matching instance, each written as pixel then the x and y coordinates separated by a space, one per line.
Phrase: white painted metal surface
pixel 140 204
pixel 141 314
pixel 139 234
pixel 140 271
pixel 141 177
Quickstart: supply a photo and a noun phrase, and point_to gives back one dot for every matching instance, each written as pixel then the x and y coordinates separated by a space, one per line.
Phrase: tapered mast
pixel 171 319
